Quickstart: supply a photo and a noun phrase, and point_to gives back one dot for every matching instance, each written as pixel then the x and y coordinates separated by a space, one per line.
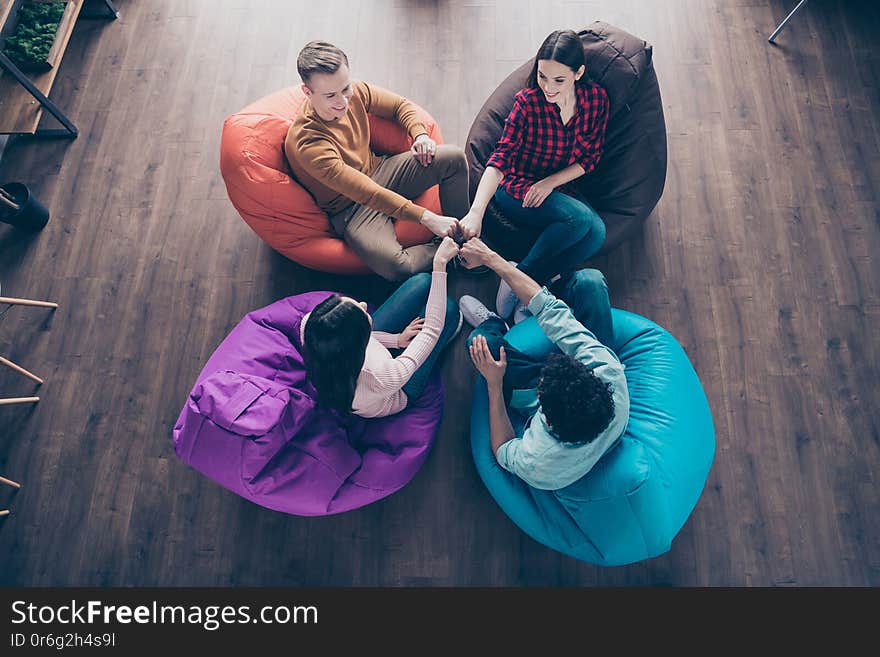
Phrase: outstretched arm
pixel 396 372
pixel 475 253
pixel 321 160
pixel 500 428
pixel 498 165
pixel 472 223
pixel 573 338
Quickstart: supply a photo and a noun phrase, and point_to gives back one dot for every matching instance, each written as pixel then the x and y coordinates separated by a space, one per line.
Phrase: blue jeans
pixel 405 304
pixel 586 293
pixel 571 233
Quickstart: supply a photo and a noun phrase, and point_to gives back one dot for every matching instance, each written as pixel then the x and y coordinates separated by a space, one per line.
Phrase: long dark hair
pixel 334 346
pixel 565 47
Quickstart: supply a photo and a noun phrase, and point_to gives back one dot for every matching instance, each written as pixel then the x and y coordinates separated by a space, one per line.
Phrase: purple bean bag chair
pixel 251 424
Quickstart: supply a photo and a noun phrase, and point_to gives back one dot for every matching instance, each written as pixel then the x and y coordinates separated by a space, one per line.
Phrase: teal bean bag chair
pixel 635 500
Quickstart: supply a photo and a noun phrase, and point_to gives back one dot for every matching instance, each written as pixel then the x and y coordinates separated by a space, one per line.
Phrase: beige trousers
pixel 370 233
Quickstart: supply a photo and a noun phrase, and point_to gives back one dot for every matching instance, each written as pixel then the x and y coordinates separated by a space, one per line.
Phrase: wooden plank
pixel 19 111
pixel 5 9
pixel 65 26
pixel 18 400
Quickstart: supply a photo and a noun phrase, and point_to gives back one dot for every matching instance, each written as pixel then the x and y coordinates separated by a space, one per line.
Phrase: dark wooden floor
pixel 762 258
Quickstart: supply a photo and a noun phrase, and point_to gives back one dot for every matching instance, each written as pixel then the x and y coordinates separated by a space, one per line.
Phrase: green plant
pixel 35 32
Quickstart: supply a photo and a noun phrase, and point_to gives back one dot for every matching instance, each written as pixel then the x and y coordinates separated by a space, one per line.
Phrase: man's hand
pixel 406 335
pixel 471 225
pixel 447 250
pixel 538 193
pixel 423 149
pixel 474 253
pixel 439 225
pixel 491 369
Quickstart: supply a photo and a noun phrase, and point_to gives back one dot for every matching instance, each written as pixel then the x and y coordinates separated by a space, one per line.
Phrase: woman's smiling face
pixel 556 80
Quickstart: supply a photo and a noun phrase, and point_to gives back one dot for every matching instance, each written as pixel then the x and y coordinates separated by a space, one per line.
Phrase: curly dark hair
pixel 577 403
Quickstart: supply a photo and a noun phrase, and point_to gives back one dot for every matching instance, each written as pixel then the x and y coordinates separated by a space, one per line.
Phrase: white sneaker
pixel 505 300
pixel 474 311
pixel 521 313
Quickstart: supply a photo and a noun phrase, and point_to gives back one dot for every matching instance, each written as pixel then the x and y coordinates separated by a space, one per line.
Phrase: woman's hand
pixel 538 193
pixel 471 225
pixel 491 369
pixel 447 250
pixel 406 335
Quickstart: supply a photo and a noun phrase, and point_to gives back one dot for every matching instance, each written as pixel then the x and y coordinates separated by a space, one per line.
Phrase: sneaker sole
pixel 458 328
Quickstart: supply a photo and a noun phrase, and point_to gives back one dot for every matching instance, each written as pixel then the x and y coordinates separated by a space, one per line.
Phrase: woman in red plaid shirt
pixel 553 134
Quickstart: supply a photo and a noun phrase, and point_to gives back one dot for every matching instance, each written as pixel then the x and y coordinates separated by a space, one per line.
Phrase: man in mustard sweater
pixel 328 148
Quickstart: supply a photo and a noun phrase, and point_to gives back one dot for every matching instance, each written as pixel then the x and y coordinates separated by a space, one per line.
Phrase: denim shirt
pixel 538 457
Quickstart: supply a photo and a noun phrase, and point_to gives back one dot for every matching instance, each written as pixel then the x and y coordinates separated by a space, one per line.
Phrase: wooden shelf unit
pixel 20 110
pixel 5 9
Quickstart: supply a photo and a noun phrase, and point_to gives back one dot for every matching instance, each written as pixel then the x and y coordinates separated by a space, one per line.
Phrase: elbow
pixel 327 174
pixel 543 484
pixel 492 176
pixel 497 445
pixel 588 166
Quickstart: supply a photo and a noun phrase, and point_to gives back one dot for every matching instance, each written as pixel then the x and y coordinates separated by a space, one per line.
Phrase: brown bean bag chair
pixel 628 181
pixel 285 216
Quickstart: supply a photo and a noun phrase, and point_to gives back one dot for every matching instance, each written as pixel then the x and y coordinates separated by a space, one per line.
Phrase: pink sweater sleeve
pixel 393 374
pixel 388 340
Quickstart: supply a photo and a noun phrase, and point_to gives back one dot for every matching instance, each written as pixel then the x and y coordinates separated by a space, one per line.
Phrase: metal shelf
pixel 23 98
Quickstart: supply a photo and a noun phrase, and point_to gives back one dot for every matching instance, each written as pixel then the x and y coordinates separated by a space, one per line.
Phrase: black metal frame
pixel 112 12
pixel 69 130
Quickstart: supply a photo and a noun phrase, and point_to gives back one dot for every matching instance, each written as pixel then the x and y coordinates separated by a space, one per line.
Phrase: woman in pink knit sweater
pixel 346 350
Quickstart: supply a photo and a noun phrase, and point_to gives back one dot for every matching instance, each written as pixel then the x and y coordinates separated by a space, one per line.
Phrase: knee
pixel 452 157
pixel 421 280
pixel 593 237
pixel 585 218
pixel 475 332
pixel 597 229
pixel 589 283
pixel 574 210
pixel 588 232
pixel 417 284
pixel 405 268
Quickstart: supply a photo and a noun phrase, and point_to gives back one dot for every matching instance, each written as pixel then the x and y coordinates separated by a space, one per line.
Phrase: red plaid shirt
pixel 535 143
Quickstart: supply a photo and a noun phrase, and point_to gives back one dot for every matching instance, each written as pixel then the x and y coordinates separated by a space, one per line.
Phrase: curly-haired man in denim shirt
pixel 577 402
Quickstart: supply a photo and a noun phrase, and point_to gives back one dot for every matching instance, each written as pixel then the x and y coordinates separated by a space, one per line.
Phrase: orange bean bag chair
pixel 285 216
